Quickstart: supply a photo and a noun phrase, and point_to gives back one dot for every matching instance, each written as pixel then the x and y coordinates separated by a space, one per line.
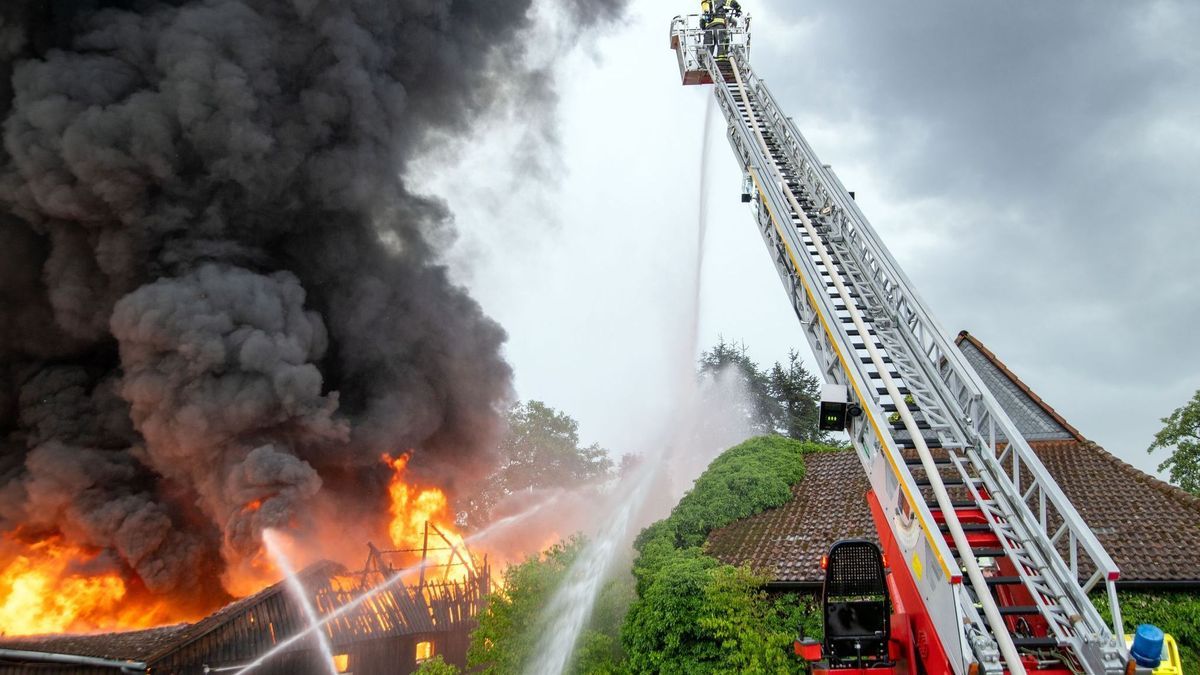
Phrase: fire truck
pixel 985 566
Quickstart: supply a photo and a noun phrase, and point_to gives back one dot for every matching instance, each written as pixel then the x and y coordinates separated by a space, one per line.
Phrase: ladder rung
pixel 968 527
pixel 1035 642
pixel 916 461
pixel 1003 581
pixel 935 444
pixel 921 424
pixel 948 482
pixel 891 373
pixel 988 552
pixel 1020 610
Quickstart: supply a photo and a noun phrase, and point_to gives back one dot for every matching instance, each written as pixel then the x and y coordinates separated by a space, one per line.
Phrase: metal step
pixel 968 527
pixel 1004 581
pixel 916 461
pixel 985 552
pixel 1019 610
pixel 933 444
pixel 1034 642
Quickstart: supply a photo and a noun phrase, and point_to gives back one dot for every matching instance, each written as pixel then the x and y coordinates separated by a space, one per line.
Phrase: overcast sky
pixel 1033 166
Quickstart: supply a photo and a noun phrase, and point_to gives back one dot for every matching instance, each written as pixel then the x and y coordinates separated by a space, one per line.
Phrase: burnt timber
pixel 391 632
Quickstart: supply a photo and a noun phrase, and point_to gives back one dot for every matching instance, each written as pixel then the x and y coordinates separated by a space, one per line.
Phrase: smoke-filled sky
pixel 1034 166
pixel 221 304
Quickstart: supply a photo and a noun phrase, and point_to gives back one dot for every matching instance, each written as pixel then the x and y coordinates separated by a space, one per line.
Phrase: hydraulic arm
pixel 991 562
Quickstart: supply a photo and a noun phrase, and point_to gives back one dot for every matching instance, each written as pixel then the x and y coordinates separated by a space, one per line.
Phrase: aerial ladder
pixel 989 566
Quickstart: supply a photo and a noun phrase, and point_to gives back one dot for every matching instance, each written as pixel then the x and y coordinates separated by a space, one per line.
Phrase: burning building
pixel 376 621
pixel 222 302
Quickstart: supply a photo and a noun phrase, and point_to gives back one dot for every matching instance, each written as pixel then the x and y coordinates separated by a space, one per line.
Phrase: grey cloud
pixel 1059 135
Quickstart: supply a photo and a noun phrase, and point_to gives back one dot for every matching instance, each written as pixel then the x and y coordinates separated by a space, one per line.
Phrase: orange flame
pixel 45 586
pixel 419 513
pixel 40 594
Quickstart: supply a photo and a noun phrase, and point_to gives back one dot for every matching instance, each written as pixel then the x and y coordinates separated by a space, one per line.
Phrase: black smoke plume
pixel 219 303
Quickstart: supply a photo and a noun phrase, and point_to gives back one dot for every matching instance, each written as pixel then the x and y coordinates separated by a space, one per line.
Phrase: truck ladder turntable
pixel 957 493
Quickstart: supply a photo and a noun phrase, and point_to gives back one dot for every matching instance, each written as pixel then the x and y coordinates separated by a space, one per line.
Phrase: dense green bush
pixel 437 666
pixel 801 613
pixel 693 614
pixel 699 616
pixel 746 479
pixel 1175 613
pixel 513 622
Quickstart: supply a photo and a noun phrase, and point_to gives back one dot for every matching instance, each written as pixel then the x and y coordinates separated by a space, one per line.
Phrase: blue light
pixel 1147 646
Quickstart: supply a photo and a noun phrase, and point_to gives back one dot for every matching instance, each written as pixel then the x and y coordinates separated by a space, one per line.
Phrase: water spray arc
pixel 275 550
pixel 571 606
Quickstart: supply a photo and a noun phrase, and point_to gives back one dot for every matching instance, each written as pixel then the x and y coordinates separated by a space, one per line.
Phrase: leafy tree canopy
pixel 783 399
pixel 541 449
pixel 746 479
pixel 695 615
pixel 1182 432
pixel 512 624
pixel 437 666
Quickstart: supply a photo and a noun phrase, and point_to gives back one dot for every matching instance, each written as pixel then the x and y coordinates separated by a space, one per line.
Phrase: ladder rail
pixel 991 611
pixel 978 411
pixel 831 340
pixel 846 254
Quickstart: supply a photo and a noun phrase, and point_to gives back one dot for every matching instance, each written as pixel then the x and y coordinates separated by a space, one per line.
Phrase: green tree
pixel 695 615
pixel 798 394
pixel 739 619
pixel 506 634
pixel 761 409
pixel 784 400
pixel 512 623
pixel 540 449
pixel 1182 432
pixel 437 666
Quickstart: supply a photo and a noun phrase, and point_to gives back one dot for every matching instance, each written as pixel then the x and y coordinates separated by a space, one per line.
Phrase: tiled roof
pixel 787 543
pixel 1151 529
pixel 135 645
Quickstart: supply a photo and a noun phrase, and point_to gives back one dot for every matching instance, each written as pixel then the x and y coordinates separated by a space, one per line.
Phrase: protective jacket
pixel 714 14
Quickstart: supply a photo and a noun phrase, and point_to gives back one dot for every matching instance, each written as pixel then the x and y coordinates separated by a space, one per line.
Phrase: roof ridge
pixel 995 360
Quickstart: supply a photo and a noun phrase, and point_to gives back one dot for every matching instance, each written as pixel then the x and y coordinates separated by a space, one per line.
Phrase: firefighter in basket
pixel 715 16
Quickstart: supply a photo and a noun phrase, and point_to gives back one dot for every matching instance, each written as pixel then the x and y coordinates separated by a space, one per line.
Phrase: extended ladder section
pixel 1001 560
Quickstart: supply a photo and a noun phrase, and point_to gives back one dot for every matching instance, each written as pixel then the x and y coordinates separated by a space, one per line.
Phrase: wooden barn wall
pixel 239 639
pixel 397 655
